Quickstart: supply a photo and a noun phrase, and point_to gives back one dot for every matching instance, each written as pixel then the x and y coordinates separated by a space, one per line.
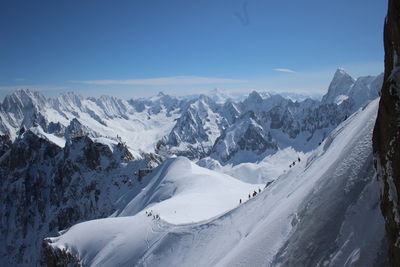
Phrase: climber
pixel 249 196
pixel 267 184
pixel 254 193
pixel 240 201
pixel 298 159
pixel 259 190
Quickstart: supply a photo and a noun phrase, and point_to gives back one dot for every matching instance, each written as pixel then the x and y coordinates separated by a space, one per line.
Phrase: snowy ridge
pixel 264 171
pixel 193 195
pixel 331 195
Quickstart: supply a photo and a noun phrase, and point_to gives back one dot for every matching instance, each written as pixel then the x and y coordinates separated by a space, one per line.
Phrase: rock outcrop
pixel 45 188
pixel 386 139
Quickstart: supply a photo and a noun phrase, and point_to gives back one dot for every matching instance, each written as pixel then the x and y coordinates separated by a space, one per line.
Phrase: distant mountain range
pixel 217 125
pixel 68 159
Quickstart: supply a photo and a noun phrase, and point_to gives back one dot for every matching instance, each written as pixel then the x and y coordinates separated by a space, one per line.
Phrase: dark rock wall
pixel 45 188
pixel 386 139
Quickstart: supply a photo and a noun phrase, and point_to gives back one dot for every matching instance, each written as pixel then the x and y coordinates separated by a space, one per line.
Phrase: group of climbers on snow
pixel 253 194
pixel 294 162
pixel 268 183
pixel 152 214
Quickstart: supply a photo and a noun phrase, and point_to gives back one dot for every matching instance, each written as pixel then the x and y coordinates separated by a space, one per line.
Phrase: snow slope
pixel 313 215
pixel 197 194
pixel 191 195
pixel 266 170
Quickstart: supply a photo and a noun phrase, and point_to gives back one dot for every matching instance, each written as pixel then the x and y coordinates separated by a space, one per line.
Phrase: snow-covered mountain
pixel 139 123
pixel 196 130
pixel 360 90
pixel 246 136
pixel 223 133
pixel 69 159
pixel 220 96
pixel 312 215
pixel 339 88
pixel 198 127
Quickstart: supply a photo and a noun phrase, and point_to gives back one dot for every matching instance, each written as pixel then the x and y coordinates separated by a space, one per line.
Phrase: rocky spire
pixel 340 85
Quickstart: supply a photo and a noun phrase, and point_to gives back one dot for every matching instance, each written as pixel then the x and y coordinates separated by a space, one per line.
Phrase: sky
pixel 137 48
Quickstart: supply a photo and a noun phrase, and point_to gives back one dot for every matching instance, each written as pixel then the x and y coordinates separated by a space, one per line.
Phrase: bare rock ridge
pixel 386 139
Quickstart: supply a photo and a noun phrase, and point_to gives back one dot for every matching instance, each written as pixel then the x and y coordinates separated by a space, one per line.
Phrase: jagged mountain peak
pixel 255 97
pixel 108 98
pixel 25 92
pixel 71 95
pixel 75 128
pixel 161 93
pixel 160 96
pixel 256 102
pixel 245 141
pixel 219 95
pixel 341 74
pixel 232 110
pixel 68 100
pixel 23 98
pixel 202 104
pixel 339 87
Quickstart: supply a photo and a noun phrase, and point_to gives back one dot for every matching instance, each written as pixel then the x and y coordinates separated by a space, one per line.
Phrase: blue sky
pixel 137 48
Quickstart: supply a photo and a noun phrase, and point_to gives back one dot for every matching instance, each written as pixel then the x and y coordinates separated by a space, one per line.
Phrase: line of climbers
pixel 294 162
pixel 255 192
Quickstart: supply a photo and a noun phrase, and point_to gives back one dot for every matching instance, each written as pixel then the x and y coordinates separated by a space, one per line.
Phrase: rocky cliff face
pixel 386 140
pixel 45 188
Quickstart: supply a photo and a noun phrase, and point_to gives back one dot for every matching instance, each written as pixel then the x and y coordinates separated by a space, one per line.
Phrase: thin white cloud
pixel 176 80
pixel 284 70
